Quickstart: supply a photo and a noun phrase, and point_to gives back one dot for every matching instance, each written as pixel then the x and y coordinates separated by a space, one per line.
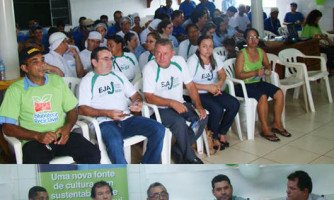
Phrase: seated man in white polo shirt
pixel 105 94
pixel 163 80
pixel 70 64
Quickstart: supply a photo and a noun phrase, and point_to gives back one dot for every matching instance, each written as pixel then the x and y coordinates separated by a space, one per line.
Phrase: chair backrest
pixel 73 84
pixel 221 51
pixel 229 66
pixel 290 55
pixel 273 60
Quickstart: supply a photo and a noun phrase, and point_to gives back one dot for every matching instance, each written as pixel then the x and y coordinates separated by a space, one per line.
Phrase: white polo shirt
pixel 186 49
pixel 144 58
pixel 239 21
pixel 111 91
pixel 166 82
pixel 203 75
pixel 127 64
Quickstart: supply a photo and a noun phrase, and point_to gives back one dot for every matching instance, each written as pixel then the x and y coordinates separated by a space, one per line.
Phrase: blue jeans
pixel 113 133
pixel 223 109
pixel 183 134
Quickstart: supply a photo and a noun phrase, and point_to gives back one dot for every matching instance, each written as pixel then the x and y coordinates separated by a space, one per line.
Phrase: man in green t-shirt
pixel 40 110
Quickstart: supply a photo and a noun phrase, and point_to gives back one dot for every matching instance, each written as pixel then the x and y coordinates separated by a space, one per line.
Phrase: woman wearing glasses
pixel 251 65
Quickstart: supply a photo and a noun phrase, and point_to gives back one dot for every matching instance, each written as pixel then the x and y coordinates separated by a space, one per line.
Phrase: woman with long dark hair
pixel 209 77
pixel 312 29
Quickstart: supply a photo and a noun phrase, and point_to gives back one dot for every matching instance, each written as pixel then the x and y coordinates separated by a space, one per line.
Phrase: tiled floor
pixel 312 138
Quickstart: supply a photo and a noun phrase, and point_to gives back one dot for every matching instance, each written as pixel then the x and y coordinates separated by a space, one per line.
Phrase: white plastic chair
pixel 16 147
pixel 220 52
pixel 290 55
pixel 248 105
pixel 295 81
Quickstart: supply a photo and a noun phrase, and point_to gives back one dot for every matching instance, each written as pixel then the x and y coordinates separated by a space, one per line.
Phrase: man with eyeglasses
pixel 222 188
pixel 157 191
pixel 101 190
pixel 110 97
pixel 40 110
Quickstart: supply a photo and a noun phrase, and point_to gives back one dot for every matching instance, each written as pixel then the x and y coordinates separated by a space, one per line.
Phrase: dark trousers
pixel 223 109
pixel 77 147
pixel 183 134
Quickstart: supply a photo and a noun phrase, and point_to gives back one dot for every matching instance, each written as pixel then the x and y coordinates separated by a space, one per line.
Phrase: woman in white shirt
pixel 148 55
pixel 209 76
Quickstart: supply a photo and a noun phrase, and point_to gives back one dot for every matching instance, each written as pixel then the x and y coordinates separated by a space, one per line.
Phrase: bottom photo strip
pixel 174 182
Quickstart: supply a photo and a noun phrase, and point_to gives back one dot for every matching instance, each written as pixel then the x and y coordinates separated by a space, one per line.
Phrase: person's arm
pixel 192 90
pixel 93 112
pixel 20 133
pixel 53 70
pixel 160 101
pixel 240 74
pixel 64 131
pixel 78 64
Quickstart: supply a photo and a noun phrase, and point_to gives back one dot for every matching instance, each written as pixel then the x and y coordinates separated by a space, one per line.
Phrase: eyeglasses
pixel 106 59
pixel 253 38
pixel 161 195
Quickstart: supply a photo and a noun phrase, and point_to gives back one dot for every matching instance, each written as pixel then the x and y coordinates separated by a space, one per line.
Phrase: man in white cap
pixel 126 27
pixel 93 41
pixel 70 63
pixel 272 23
pixel 150 28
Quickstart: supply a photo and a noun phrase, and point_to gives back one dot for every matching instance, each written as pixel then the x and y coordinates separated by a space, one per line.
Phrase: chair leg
pixel 296 93
pixel 305 98
pixel 329 93
pixel 199 143
pixel 127 153
pixel 206 143
pixel 251 105
pixel 238 126
pixel 309 95
pixel 166 149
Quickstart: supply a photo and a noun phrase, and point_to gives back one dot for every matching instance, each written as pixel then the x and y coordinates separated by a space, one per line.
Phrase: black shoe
pixel 225 144
pixel 196 160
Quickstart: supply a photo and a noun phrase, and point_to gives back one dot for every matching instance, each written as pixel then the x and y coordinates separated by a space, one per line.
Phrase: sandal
pixel 272 137
pixel 283 132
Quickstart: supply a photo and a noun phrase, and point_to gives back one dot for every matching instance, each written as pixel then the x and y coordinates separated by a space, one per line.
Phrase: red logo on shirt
pixel 42 103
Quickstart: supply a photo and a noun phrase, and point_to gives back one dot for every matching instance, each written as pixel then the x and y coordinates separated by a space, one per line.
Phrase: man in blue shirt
pixel 167 9
pixel 207 4
pixel 294 17
pixel 272 23
pixel 178 31
pixel 187 8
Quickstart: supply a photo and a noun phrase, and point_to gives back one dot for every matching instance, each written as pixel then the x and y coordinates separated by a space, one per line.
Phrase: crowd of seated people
pixel 69 54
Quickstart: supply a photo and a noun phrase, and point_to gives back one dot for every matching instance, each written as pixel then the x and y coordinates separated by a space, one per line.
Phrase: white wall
pixel 185 182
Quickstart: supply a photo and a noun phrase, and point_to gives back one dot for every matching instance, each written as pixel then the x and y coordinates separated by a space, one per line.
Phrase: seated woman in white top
pixel 189 46
pixel 209 77
pixel 123 61
pixel 148 55
pixel 165 28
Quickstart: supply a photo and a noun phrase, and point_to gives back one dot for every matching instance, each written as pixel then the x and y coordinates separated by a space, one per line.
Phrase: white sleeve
pixel 134 58
pixel 182 50
pixel 85 91
pixel 129 89
pixel 148 78
pixel 219 62
pixel 186 77
pixel 192 63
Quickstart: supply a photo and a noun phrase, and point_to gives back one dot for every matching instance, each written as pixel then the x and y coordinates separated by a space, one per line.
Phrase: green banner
pixel 76 183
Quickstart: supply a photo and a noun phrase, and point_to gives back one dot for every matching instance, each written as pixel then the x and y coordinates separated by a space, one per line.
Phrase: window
pixel 266 3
